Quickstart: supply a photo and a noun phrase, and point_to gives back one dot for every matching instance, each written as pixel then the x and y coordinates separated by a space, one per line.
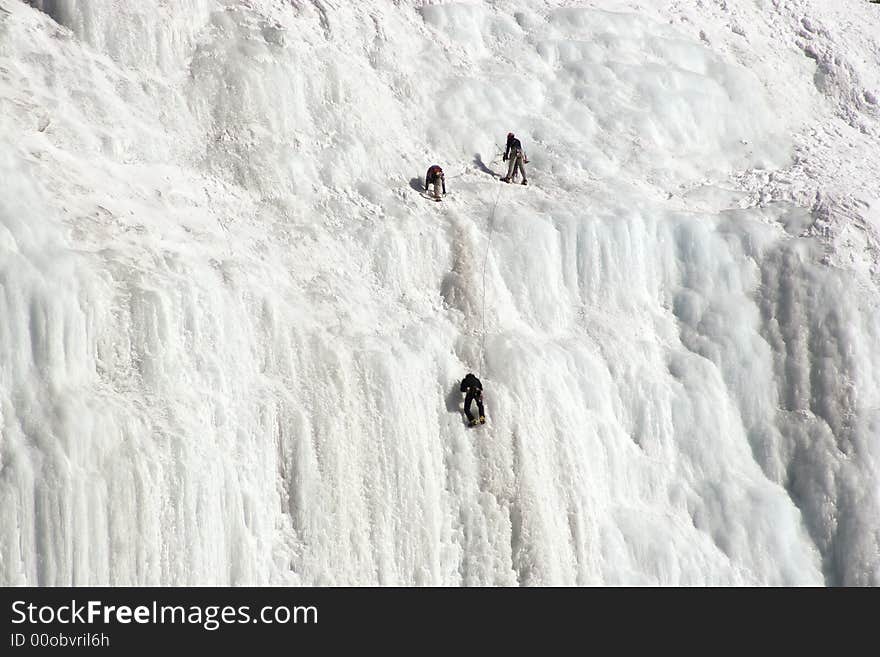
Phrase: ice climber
pixel 474 392
pixel 435 177
pixel 517 157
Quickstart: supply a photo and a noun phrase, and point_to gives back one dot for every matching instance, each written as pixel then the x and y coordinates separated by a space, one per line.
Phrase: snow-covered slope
pixel 232 330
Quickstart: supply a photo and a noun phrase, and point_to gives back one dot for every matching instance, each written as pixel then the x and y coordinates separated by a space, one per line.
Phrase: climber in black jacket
pixel 474 392
pixel 517 156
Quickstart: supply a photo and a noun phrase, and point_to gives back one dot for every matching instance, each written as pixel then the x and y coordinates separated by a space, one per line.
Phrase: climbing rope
pixel 485 261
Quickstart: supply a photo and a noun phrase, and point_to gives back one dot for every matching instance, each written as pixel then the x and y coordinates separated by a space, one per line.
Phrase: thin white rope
pixel 485 261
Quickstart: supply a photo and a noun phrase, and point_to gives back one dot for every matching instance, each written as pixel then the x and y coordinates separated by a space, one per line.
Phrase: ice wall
pixel 232 330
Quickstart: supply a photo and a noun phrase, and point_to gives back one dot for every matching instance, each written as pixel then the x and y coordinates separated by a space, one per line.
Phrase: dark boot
pixel 505 179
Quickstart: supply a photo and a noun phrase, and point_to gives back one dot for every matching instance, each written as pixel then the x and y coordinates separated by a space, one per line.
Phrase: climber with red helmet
pixel 517 156
pixel 436 177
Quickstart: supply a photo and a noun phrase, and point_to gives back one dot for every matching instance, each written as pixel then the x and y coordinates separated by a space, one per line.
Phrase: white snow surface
pixel 232 330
